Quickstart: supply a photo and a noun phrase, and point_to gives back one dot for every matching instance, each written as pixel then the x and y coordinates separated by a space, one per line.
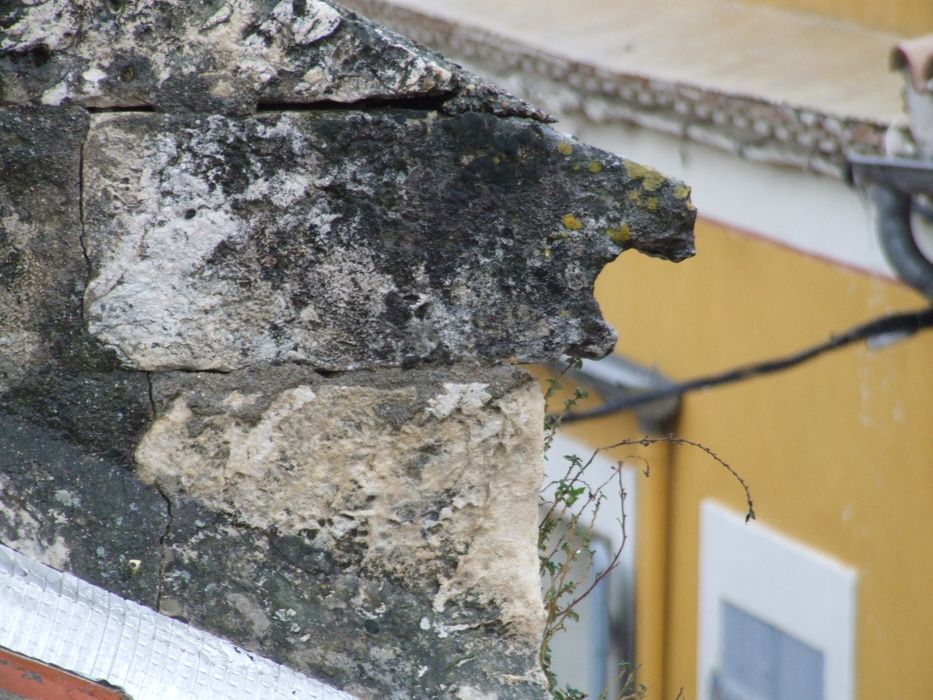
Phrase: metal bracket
pixel 905 175
pixel 894 184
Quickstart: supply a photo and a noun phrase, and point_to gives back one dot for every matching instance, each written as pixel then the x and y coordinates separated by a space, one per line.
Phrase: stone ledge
pixel 725 109
pixel 180 56
pixel 345 239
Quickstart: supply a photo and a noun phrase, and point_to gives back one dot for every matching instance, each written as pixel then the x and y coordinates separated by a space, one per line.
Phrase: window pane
pixel 760 662
pixel 801 670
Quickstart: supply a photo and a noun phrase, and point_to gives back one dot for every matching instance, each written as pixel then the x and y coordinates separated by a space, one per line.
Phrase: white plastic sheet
pixel 59 619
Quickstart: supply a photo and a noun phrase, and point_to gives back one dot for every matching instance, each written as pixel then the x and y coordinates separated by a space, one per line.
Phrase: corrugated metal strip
pixel 67 622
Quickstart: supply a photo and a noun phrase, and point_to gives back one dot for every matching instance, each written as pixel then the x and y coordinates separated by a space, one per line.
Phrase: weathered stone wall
pixel 261 264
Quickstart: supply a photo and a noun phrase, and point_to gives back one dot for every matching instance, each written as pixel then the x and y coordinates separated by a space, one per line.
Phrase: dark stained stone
pixel 349 239
pixel 51 370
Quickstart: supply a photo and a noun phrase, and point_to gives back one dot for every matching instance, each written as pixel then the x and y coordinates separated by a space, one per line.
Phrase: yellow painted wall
pixel 838 452
pixel 909 17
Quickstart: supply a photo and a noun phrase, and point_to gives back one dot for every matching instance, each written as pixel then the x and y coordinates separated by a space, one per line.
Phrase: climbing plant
pixel 569 506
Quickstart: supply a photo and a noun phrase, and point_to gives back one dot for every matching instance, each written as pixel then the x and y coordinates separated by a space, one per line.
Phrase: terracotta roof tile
pixel 915 57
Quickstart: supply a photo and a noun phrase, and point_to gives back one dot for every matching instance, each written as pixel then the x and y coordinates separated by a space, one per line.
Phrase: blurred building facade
pixel 755 105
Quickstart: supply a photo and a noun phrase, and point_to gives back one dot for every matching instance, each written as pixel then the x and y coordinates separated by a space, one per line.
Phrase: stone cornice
pixel 753 127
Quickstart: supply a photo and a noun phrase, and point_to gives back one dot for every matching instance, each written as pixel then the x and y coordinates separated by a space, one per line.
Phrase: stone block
pixel 229 57
pixel 51 369
pixel 348 239
pixel 374 528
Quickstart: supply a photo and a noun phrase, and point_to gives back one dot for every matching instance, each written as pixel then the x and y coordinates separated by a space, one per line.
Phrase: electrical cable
pixel 906 324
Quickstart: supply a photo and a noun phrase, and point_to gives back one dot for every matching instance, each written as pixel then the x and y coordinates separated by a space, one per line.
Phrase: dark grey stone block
pixel 345 239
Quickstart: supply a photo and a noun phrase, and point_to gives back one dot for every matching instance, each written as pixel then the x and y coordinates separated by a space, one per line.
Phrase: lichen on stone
pixel 650 178
pixel 571 222
pixel 621 234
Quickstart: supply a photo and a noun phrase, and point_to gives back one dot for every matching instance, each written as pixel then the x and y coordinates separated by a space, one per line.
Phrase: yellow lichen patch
pixel 595 166
pixel 681 191
pixel 563 313
pixel 571 222
pixel 651 178
pixel 565 148
pixel 620 235
pixel 634 196
pixel 651 204
pixel 496 160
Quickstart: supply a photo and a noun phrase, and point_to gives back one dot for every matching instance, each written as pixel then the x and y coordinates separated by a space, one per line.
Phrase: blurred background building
pixel 757 105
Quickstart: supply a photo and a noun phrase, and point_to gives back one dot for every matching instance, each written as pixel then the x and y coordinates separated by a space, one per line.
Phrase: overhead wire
pixel 902 324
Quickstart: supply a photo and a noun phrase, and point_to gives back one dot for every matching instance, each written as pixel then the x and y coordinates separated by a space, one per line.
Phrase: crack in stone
pixel 151 394
pixel 417 102
pixel 163 547
pixel 120 108
pixel 424 102
pixel 207 370
pixel 82 233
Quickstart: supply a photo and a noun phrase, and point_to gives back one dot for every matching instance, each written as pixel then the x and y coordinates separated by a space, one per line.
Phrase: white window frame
pixel 782 582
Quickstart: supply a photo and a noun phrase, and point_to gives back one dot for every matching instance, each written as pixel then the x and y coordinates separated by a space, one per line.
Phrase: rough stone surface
pixel 351 239
pixel 372 530
pixel 40 227
pixel 301 604
pixel 51 369
pixel 263 445
pixel 231 57
pixel 274 190
pixel 404 493
pixel 78 512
